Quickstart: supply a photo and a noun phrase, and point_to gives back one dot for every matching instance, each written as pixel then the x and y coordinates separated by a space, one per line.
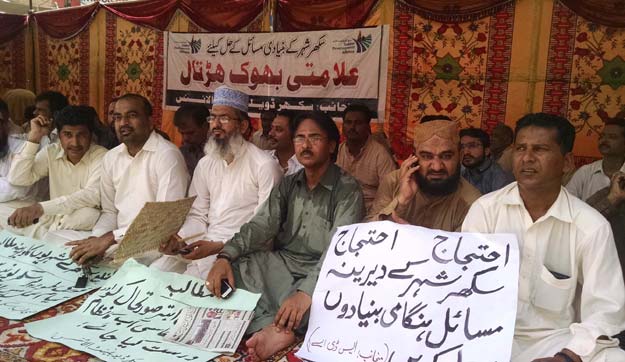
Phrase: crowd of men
pixel 268 203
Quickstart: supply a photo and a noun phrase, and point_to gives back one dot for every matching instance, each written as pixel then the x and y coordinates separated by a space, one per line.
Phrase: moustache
pixel 306 153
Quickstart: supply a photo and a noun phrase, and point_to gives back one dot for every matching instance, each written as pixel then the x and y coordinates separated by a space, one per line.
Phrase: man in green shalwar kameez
pixel 280 251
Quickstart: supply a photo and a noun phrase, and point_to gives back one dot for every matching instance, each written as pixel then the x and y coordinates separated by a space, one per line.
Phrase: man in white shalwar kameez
pixel 230 183
pixel 145 167
pixel 571 295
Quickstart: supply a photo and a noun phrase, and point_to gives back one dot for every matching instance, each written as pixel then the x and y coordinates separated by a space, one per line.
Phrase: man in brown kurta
pixel 427 190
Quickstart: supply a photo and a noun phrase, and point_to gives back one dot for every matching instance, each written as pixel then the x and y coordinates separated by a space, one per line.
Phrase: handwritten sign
pixel 156 222
pixel 35 276
pixel 390 292
pixel 305 71
pixel 128 318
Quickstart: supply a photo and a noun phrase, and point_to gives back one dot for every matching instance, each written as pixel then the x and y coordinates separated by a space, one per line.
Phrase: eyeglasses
pixel 223 119
pixel 314 139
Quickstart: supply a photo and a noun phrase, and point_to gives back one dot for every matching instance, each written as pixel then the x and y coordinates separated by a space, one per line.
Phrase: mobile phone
pixel 184 251
pixel 226 289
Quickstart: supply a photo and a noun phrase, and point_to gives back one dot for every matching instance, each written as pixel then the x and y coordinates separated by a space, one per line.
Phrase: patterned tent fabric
pixel 294 15
pixel 604 12
pixel 453 11
pixel 11 25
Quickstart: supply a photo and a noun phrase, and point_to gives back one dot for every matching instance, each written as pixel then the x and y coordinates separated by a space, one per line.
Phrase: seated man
pixel 261 137
pixel 427 190
pixel 595 176
pixel 362 156
pixel 144 167
pixel 191 120
pixel 73 169
pixel 46 105
pixel 302 214
pixel 479 168
pixel 230 183
pixel 9 145
pixel 571 294
pixel 281 140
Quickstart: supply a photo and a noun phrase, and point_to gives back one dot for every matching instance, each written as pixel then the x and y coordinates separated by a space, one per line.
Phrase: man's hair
pixel 271 113
pixel 4 107
pixel 358 107
pixel 476 133
pixel 610 122
pixel 325 123
pixel 565 131
pixel 197 112
pixel 76 116
pixel 56 100
pixel 290 115
pixel 505 129
pixel 434 117
pixel 147 106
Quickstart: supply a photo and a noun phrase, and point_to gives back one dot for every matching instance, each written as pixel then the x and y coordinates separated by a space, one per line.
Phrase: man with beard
pixel 571 295
pixel 191 120
pixel 230 184
pixel 73 168
pixel 143 168
pixel 261 137
pixel 478 167
pixel 281 140
pixel 279 252
pixel 596 176
pixel 427 190
pixel 361 155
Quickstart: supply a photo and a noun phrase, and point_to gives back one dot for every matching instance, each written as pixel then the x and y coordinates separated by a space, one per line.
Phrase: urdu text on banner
pixel 390 292
pixel 301 71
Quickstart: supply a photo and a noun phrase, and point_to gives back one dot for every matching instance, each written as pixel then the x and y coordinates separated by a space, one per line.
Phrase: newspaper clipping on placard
pixel 211 329
pixel 300 71
pixel 391 292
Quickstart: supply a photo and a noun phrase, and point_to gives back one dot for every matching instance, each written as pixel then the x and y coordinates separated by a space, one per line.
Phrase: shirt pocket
pixel 551 293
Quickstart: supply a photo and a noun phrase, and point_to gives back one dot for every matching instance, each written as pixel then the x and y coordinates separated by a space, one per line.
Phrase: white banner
pixel 305 71
pixel 390 292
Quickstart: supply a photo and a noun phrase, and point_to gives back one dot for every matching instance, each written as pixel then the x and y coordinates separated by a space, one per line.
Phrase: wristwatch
pixel 224 256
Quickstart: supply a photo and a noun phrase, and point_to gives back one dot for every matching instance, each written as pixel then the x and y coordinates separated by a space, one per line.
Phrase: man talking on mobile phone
pixel 427 190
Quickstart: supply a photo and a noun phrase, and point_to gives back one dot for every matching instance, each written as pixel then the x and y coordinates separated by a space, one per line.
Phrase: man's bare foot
pixel 268 341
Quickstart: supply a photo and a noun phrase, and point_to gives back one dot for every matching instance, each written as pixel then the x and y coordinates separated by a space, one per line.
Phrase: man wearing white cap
pixel 230 183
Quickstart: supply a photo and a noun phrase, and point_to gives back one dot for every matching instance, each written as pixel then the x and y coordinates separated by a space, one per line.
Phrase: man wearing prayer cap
pixel 427 190
pixel 230 183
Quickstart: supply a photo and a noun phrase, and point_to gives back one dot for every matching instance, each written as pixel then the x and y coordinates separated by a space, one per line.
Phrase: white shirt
pixel 10 192
pixel 72 187
pixel 228 195
pixel 588 180
pixel 292 165
pixel 571 239
pixel 156 173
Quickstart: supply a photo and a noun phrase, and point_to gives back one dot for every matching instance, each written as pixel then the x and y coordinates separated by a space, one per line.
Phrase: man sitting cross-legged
pixel 73 168
pixel 300 216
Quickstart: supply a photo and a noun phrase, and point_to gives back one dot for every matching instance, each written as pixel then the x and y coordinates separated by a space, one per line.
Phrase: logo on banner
pixel 351 45
pixel 188 47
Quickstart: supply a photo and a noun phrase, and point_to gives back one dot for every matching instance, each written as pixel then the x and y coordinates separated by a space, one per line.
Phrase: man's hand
pixel 25 216
pixel 203 248
pixel 39 126
pixel 292 311
pixel 172 246
pixel 565 351
pixel 91 247
pixel 408 185
pixel 617 188
pixel 220 270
